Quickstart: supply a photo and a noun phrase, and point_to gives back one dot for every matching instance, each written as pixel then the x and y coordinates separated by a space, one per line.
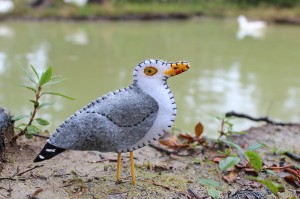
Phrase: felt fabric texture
pixel 49 151
pixel 110 123
pixel 156 86
pixel 123 120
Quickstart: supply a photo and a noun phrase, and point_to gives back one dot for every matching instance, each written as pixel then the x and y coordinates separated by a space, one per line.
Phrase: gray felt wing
pixel 113 122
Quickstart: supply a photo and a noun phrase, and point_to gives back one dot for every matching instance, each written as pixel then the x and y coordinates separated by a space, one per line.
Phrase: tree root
pixel 292 156
pixel 259 119
pixel 19 174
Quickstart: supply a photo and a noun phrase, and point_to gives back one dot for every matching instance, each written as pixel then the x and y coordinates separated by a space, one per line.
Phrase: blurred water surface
pixel 254 76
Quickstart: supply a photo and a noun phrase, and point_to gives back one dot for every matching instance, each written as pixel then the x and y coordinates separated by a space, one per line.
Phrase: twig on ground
pixel 193 194
pixel 168 188
pixel 287 168
pixel 8 190
pixel 41 136
pixel 259 119
pixel 283 167
pixel 167 152
pixel 103 160
pixel 291 171
pixel 37 166
pixel 19 174
pixel 292 156
pixel 35 193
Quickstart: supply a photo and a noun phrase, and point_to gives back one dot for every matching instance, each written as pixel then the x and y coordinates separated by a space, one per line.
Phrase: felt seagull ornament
pixel 123 120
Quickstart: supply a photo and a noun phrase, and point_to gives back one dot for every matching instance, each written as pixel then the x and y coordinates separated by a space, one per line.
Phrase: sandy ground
pixel 75 174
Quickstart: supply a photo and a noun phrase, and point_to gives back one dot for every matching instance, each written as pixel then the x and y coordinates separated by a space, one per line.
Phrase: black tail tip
pixel 38 159
pixel 49 151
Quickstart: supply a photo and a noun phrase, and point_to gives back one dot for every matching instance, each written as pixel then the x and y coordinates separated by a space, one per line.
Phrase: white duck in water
pixel 6 6
pixel 79 3
pixel 254 29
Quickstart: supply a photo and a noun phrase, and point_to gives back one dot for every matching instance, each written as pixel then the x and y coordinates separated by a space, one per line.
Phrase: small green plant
pixel 38 84
pixel 253 160
pixel 226 128
pixel 250 156
pixel 272 186
pixel 211 187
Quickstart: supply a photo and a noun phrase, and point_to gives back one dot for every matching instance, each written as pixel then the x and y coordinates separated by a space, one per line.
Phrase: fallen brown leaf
pixel 199 129
pixel 291 180
pixel 187 136
pixel 170 141
pixel 217 159
pixel 231 176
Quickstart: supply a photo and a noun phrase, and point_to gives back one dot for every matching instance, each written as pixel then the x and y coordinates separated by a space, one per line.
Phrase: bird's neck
pixel 166 115
pixel 161 92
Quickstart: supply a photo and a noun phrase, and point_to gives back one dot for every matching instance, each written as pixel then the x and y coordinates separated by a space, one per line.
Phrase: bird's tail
pixel 49 151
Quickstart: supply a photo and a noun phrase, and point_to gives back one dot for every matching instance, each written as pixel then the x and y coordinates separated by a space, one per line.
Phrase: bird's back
pixel 113 122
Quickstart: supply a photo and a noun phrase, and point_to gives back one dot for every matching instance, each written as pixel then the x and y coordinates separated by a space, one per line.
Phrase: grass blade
pixel 236 146
pixel 43 105
pixel 54 82
pixel 58 94
pixel 36 74
pixel 30 77
pixel 273 187
pixel 16 118
pixel 255 146
pixel 28 87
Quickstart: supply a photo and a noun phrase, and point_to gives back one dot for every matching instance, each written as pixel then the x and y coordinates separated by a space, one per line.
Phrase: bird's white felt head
pixel 152 70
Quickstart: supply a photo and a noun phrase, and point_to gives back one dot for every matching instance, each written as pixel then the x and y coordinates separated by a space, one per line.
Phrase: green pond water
pixel 255 76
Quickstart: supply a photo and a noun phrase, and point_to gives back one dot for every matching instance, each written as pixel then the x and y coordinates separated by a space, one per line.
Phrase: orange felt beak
pixel 177 68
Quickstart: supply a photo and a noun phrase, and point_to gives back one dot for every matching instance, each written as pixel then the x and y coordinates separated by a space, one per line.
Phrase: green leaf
pixel 30 77
pixel 54 82
pixel 42 121
pixel 19 117
pixel 255 146
pixel 225 153
pixel 197 161
pixel 271 172
pixel 228 162
pixel 32 130
pixel 59 94
pixel 22 124
pixel 209 182
pixel 239 133
pixel 17 129
pixel 272 186
pixel 43 105
pixel 36 74
pixel 28 87
pixel 28 136
pixel 35 103
pixel 236 146
pixel 46 76
pixel 254 160
pixel 215 194
pixel 55 77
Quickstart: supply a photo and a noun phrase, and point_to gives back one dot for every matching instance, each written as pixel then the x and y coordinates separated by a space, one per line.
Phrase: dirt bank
pixel 76 174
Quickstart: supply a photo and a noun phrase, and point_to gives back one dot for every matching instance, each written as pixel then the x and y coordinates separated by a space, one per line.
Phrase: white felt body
pixel 156 86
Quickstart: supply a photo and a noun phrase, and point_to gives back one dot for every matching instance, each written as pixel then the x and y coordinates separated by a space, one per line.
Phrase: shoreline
pixel 139 17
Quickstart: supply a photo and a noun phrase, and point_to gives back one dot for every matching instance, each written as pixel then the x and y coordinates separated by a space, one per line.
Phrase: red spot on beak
pixel 178 72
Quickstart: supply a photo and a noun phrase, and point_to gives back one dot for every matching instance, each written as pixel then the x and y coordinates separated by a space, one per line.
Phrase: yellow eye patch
pixel 150 71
